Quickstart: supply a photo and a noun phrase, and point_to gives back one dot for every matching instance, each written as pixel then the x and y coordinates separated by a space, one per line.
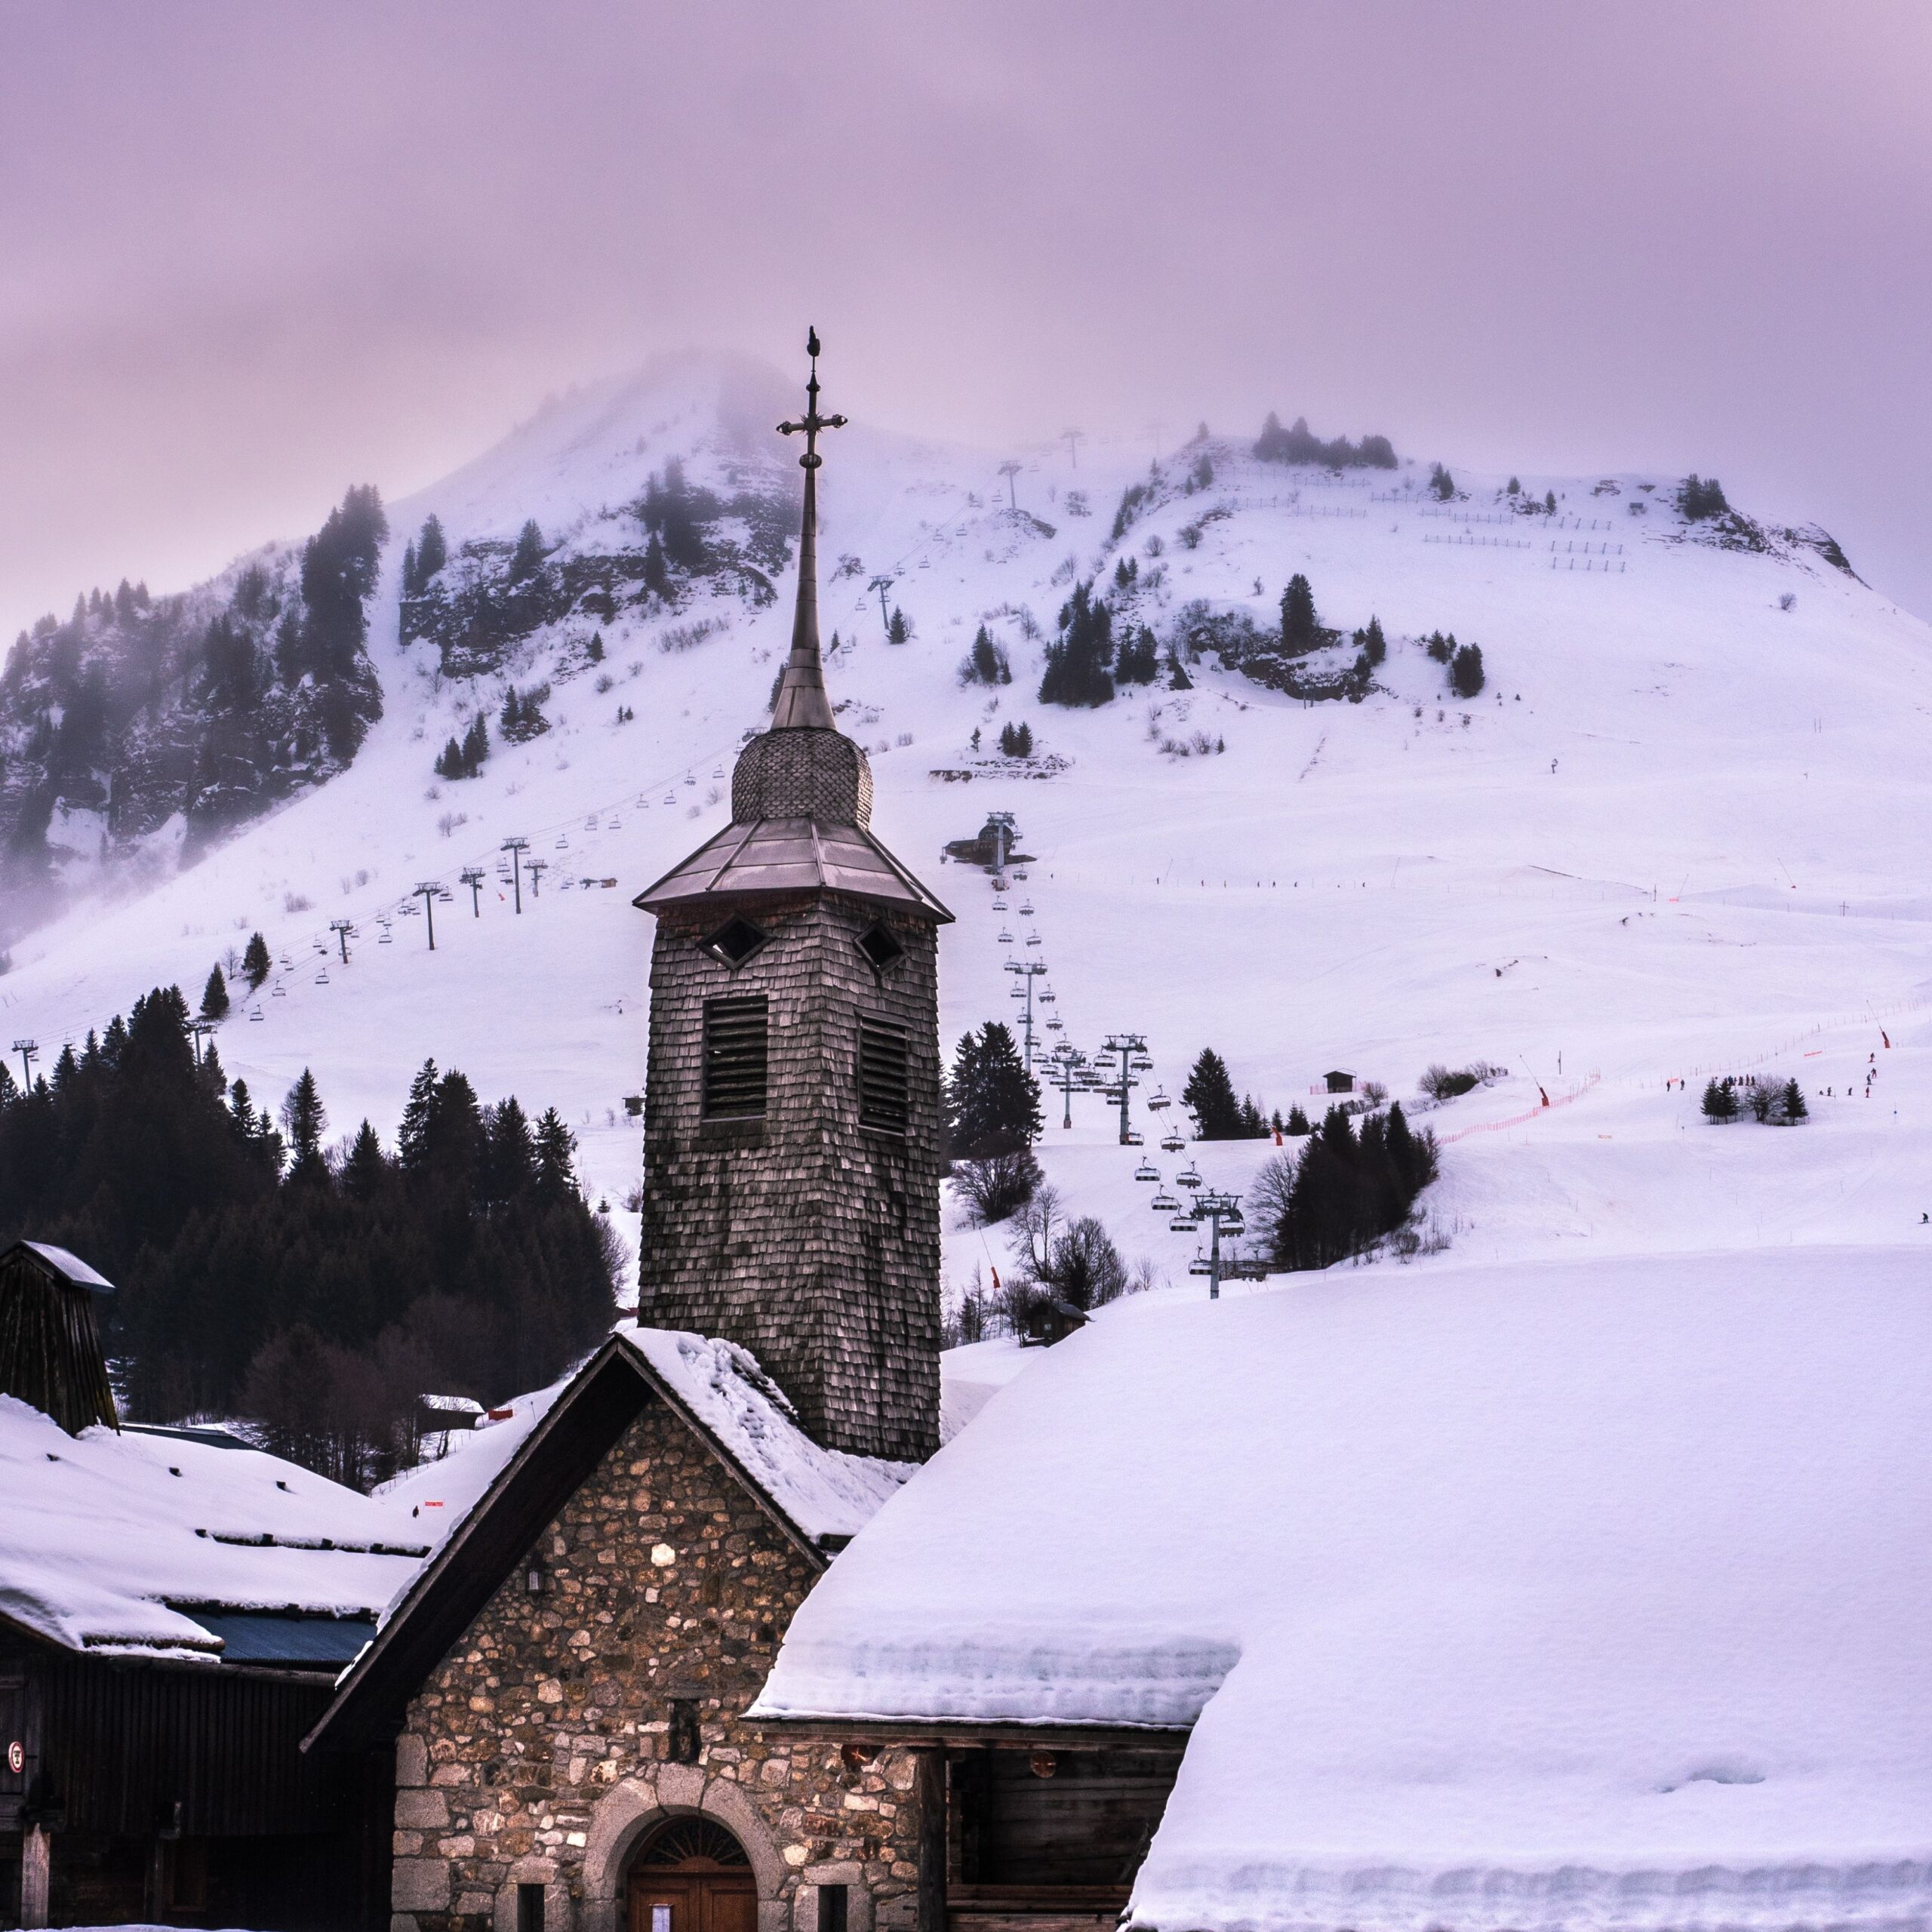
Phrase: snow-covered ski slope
pixel 1683 829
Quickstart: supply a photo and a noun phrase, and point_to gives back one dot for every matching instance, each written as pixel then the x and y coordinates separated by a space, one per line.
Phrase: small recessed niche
pixel 735 942
pixel 880 948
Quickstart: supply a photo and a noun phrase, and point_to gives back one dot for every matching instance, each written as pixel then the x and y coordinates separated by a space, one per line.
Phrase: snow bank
pixel 103 1533
pixel 1591 1594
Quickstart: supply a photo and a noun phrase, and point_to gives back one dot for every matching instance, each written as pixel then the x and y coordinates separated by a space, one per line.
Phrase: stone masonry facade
pixel 542 1750
pixel 803 1236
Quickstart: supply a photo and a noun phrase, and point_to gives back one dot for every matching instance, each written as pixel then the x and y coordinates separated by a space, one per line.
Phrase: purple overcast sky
pixel 251 253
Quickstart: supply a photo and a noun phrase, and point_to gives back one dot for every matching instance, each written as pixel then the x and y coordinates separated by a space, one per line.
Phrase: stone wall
pixel 806 1238
pixel 538 1752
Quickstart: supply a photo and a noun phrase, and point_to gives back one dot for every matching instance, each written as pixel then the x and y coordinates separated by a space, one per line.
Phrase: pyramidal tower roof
pixel 802 793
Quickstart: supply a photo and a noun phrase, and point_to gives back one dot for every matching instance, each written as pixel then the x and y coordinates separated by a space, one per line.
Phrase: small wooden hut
pixel 49 1345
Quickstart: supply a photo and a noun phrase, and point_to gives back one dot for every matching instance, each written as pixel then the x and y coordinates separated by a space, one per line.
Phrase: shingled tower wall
pixel 805 1227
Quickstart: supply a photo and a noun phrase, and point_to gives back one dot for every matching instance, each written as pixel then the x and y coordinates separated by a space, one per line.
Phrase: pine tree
pixel 1465 672
pixel 992 1103
pixel 508 1165
pixel 1299 630
pixel 1078 663
pixel 1442 483
pixel 1549 503
pixel 897 631
pixel 1514 488
pixel 986 663
pixel 594 649
pixel 412 582
pixel 303 1119
pixel 412 1139
pixel 431 553
pixel 527 558
pixel 214 995
pixel 476 747
pixel 256 964
pixel 1375 646
pixel 1720 1103
pixel 367 1167
pixel 556 1175
pixel 1792 1102
pixel 1298 1122
pixel 1210 1095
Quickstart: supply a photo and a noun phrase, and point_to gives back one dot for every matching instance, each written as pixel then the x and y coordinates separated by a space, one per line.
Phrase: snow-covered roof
pixel 825 1492
pixel 1585 1594
pixel 100 1533
pixel 71 1265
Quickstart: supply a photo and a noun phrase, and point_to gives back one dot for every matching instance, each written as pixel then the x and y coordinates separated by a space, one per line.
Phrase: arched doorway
pixel 692 1875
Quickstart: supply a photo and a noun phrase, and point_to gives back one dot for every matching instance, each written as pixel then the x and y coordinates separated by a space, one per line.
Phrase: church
pixel 563 1685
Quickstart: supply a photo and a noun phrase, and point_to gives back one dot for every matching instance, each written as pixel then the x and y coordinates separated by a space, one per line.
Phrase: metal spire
pixel 802 699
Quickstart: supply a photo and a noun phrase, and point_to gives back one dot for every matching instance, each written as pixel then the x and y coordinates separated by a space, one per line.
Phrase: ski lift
pixel 563 843
pixel 670 797
pixel 1133 1137
pixel 590 823
pixel 256 1014
pixel 322 977
pixel 1143 1065
pixel 1146 1171
pixel 643 803
pixel 1006 939
pixel 1189 1175
pixel 280 993
pixel 1233 1224
pixel 1184 1224
pixel 1026 910
pixel 1033 939
pixel 1200 1265
pixel 388 939
pixel 999 904
pixel 689 780
pixel 717 771
pixel 1163 1203
pixel 1021 877
pixel 1054 1025
pixel 1157 1100
pixel 1170 1141
pixel 999 882
pixel 1049 998
pixel 613 823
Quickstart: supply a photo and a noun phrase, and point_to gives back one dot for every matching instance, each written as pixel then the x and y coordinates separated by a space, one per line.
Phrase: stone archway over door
pixel 691 1875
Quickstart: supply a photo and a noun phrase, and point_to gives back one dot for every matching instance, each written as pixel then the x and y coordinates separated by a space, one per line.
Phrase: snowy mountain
pixel 1679 828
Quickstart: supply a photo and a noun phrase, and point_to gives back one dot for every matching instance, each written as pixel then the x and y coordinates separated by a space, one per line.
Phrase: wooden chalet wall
pixel 153 1779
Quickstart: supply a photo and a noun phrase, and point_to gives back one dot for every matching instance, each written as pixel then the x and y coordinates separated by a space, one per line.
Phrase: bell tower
pixel 792 1122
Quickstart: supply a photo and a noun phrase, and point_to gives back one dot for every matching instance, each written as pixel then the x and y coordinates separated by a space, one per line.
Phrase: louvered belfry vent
pixel 734 1057
pixel 885 1083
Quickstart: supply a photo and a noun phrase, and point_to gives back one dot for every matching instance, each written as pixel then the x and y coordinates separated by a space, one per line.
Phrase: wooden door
pixel 693 1877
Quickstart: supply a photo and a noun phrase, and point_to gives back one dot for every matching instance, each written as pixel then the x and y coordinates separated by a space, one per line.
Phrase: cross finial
pixel 801 701
pixel 812 422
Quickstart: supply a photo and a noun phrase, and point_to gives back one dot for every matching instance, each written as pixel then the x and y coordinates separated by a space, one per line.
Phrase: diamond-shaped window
pixel 735 942
pixel 879 946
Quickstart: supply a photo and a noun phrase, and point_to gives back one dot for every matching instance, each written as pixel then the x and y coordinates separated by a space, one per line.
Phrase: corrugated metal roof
pixel 791 855
pixel 71 1266
pixel 317 1642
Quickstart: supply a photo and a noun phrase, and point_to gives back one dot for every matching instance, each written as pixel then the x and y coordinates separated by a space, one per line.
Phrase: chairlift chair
pixel 1033 939
pixel 1133 1137
pixel 1163 1203
pixel 717 771
pixel 999 904
pixel 1232 1227
pixel 590 823
pixel 1189 1175
pixel 256 1014
pixel 1171 1142
pixel 613 823
pixel 670 797
pixel 1157 1100
pixel 689 780
pixel 1049 997
pixel 1005 939
pixel 1184 1224
pixel 1143 1066
pixel 563 843
pixel 1200 1265
pixel 1054 1025
pixel 322 977
pixel 1021 877
pixel 388 939
pixel 280 993
pixel 1146 1171
pixel 1026 910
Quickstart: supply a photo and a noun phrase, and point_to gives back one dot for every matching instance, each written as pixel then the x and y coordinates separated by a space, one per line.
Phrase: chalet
pixel 174 1605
